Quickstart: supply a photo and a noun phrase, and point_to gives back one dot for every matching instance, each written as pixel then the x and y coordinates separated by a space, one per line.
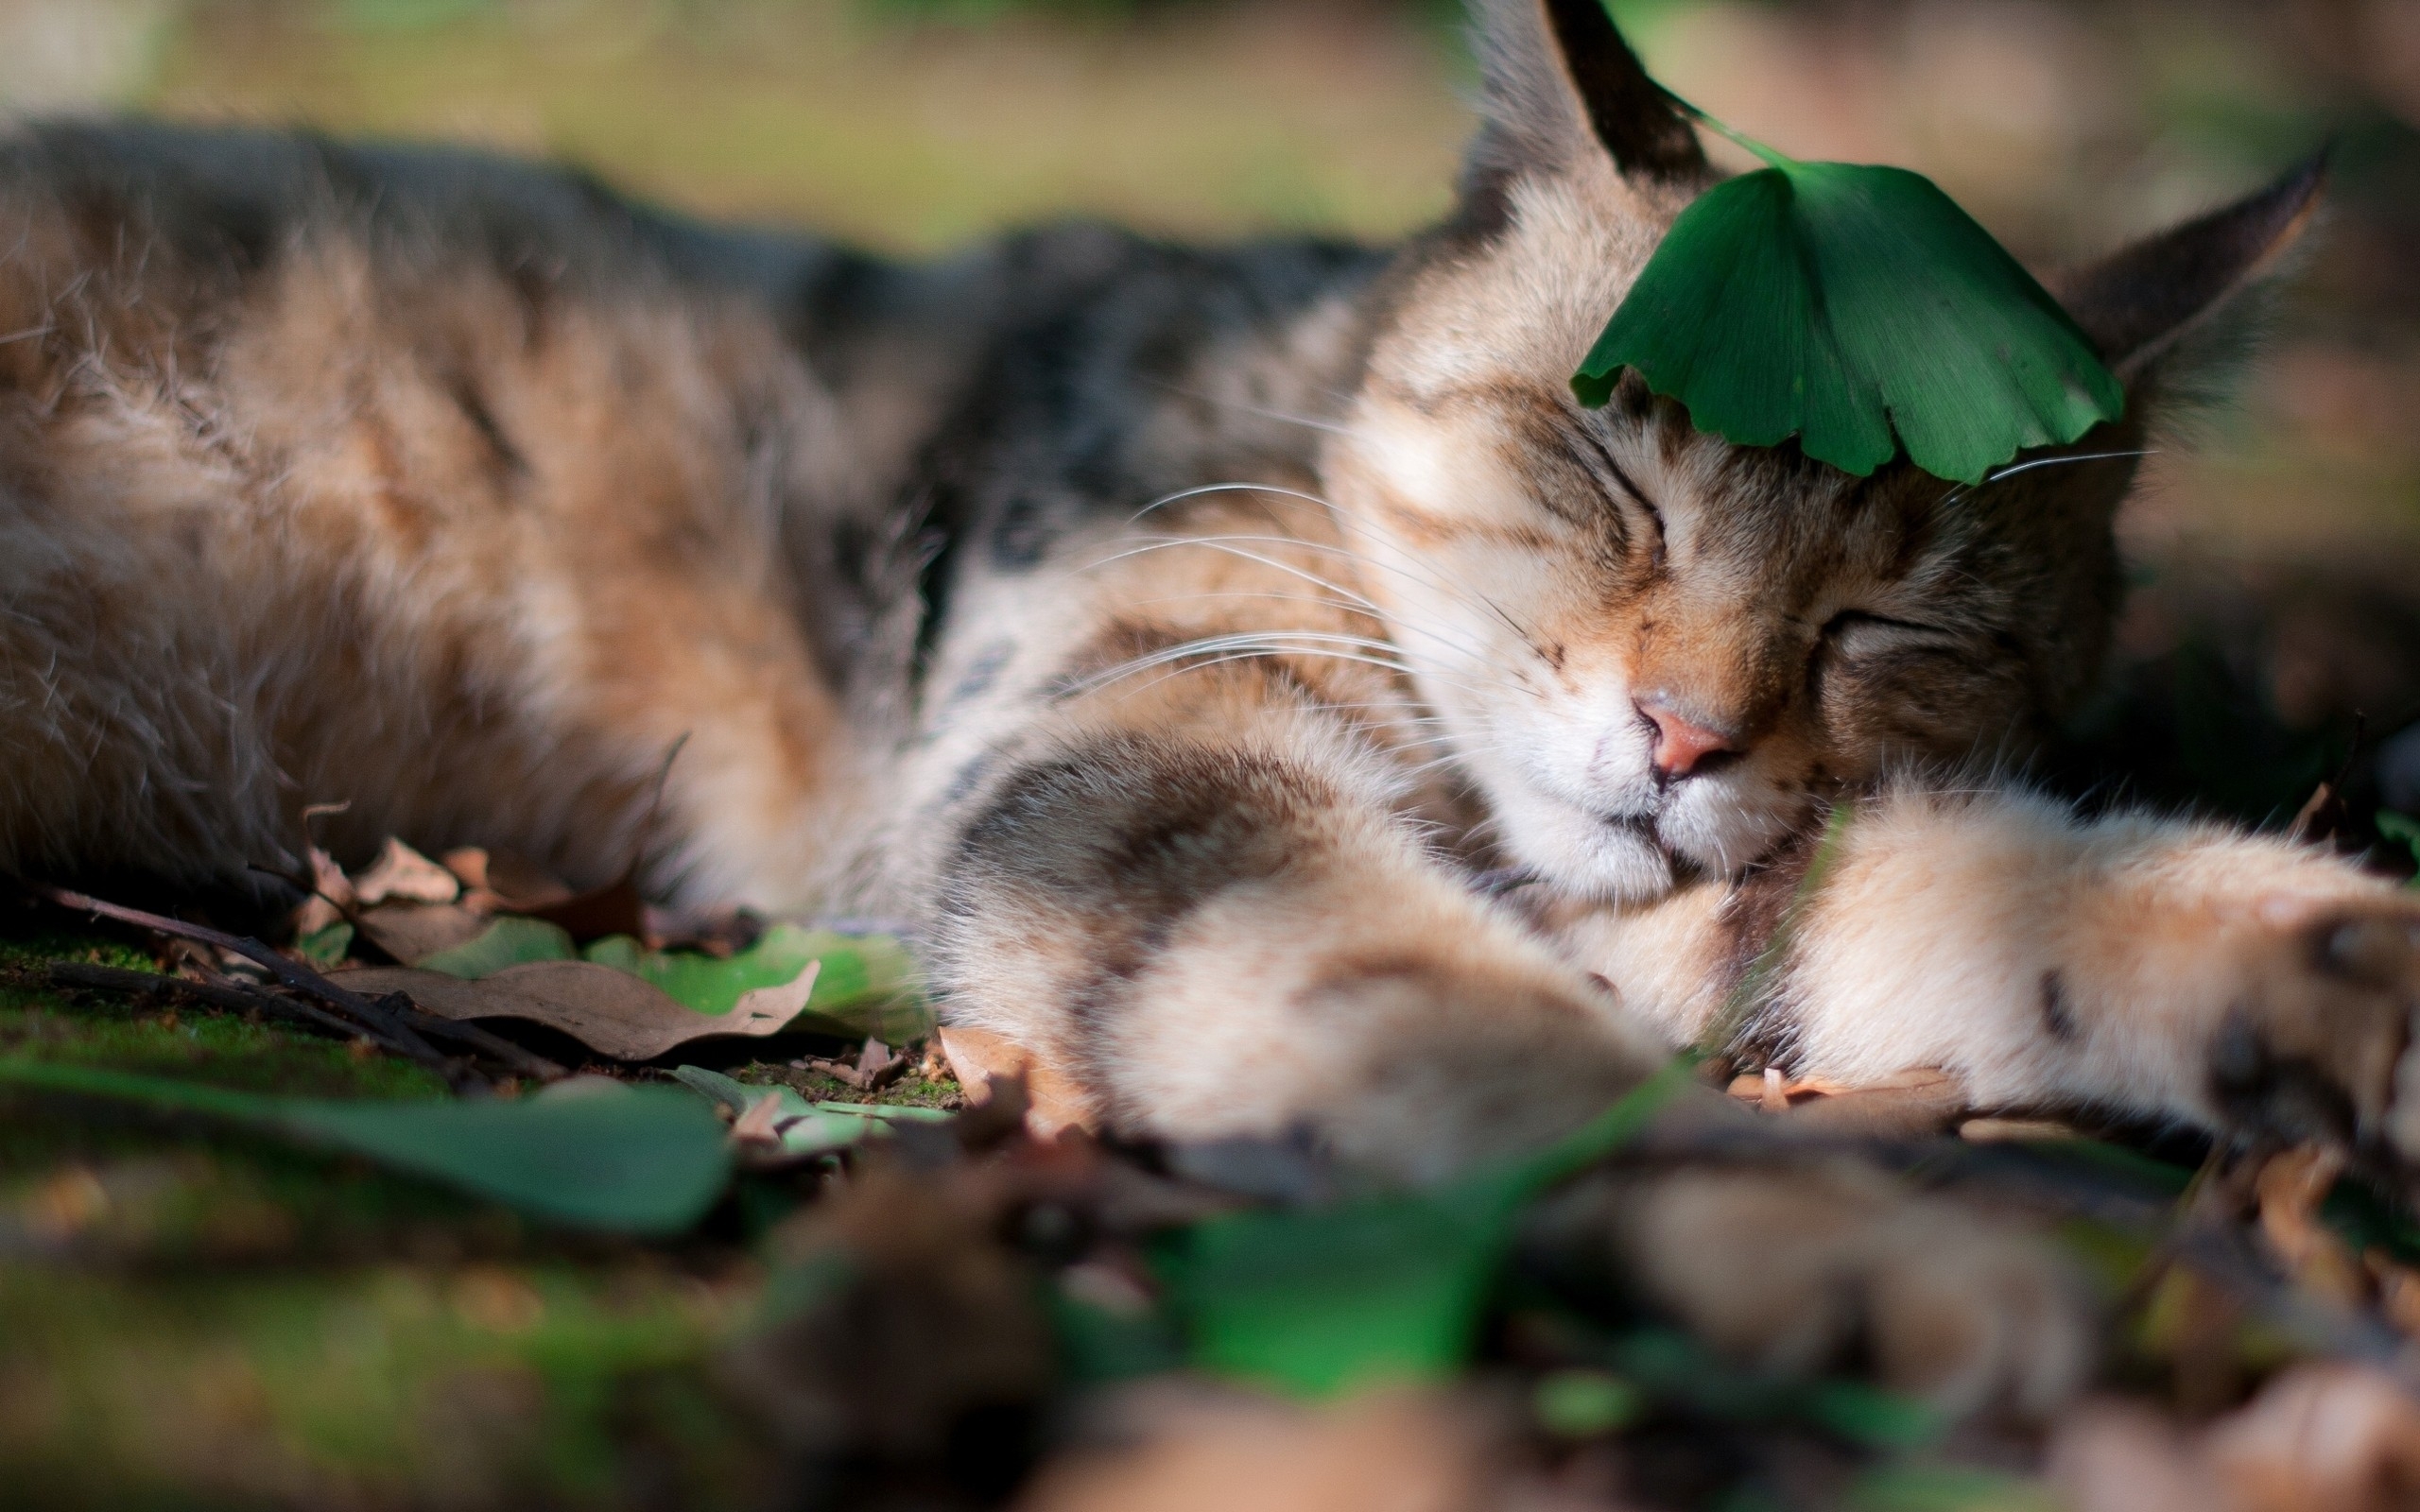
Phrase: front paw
pixel 2318 1043
pixel 1791 1270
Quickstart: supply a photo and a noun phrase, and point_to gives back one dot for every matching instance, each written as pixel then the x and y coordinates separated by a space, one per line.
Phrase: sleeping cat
pixel 1177 635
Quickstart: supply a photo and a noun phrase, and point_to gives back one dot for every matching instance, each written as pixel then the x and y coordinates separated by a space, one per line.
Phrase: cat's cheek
pixel 1578 853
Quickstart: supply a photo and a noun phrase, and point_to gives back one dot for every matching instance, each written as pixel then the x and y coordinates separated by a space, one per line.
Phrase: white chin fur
pixel 1578 854
pixel 1723 828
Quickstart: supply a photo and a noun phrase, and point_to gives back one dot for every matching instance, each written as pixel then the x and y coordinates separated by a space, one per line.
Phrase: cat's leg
pixel 1198 901
pixel 2147 967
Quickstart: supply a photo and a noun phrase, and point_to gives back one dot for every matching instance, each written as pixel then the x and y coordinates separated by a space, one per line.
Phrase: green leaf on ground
pixel 1947 1488
pixel 509 941
pixel 865 984
pixel 1584 1403
pixel 1859 310
pixel 804 1127
pixel 326 947
pixel 631 1160
pixel 1379 1289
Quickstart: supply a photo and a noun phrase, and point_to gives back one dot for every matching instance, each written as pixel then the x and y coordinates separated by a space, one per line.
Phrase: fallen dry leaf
pixel 403 875
pixel 2007 1130
pixel 616 908
pixel 2120 1456
pixel 2327 1436
pixel 611 1012
pixel 876 1066
pixel 2291 1185
pixel 1195 1450
pixel 2398 1288
pixel 755 1127
pixel 928 1317
pixel 1909 1103
pixel 331 896
pixel 414 932
pixel 469 864
pixel 978 1056
pixel 521 884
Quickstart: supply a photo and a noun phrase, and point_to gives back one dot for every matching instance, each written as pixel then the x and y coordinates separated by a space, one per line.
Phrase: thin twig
pixel 232 997
pixel 494 1046
pixel 375 1019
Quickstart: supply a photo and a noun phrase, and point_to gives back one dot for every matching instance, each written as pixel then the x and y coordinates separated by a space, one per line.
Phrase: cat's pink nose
pixel 1680 746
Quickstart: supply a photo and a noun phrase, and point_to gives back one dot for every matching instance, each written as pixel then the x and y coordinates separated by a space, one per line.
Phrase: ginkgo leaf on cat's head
pixel 1859 310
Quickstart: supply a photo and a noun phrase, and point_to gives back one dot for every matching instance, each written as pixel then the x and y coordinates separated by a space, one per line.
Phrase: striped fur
pixel 1174 632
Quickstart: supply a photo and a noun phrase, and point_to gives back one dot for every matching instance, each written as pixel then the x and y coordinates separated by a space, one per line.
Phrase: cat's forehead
pixel 1751 500
pixel 1526 300
pixel 1521 460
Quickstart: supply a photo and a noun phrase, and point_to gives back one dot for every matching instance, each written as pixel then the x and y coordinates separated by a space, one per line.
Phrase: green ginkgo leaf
pixel 1859 310
pixel 628 1159
pixel 1386 1288
pixel 866 984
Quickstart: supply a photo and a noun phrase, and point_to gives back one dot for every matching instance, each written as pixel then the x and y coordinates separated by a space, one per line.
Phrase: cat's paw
pixel 2314 1040
pixel 1794 1269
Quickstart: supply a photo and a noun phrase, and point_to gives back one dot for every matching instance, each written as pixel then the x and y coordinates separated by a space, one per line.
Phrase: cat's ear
pixel 1562 86
pixel 2175 310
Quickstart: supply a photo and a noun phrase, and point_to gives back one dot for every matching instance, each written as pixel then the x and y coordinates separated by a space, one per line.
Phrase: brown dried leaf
pixel 414 932
pixel 1193 1451
pixel 927 1316
pixel 2398 1287
pixel 978 1056
pixel 2323 1438
pixel 755 1127
pixel 2291 1185
pixel 614 909
pixel 521 884
pixel 1908 1103
pixel 402 874
pixel 611 1012
pixel 331 896
pixel 875 1067
pixel 469 864
pixel 2119 1457
pixel 2009 1130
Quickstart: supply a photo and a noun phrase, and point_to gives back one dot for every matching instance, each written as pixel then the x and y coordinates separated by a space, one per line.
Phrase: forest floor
pixel 200 1309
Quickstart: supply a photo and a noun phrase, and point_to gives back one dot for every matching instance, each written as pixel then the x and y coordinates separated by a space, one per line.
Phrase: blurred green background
pixel 2278 556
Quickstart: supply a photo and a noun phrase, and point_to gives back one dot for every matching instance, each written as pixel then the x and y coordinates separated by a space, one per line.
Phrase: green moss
pixel 191 1317
pixel 202 1045
pixel 380 1384
pixel 910 1090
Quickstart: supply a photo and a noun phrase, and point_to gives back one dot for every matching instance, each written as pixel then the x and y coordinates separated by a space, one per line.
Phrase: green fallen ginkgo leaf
pixel 802 1127
pixel 1387 1288
pixel 1859 310
pixel 865 984
pixel 628 1159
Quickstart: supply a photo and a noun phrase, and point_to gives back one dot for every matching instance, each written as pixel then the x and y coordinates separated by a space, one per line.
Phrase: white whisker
pixel 2011 471
pixel 1461 590
pixel 1243 646
pixel 1476 653
pixel 1191 665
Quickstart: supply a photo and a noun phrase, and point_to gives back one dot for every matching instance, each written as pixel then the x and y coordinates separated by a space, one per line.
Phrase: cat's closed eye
pixel 1854 628
pixel 1873 645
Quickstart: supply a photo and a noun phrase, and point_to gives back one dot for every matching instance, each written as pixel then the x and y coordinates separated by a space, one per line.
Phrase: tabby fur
pixel 1180 637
